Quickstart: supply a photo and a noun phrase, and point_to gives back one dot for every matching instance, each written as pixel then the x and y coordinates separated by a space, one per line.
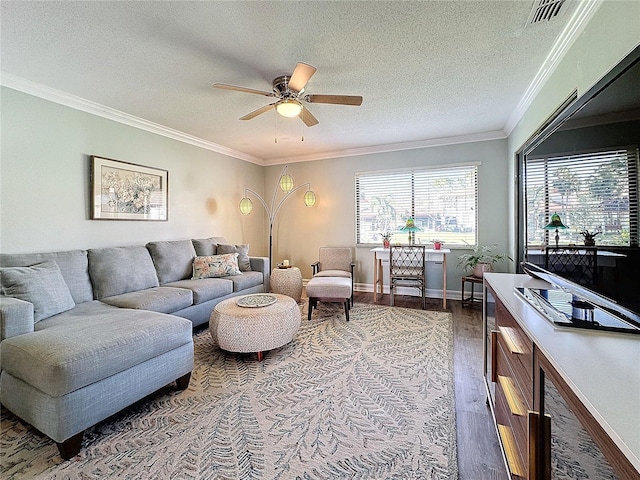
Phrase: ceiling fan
pixel 289 89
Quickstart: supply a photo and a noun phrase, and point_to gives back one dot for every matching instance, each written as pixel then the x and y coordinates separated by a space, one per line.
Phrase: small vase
pixel 386 243
pixel 480 269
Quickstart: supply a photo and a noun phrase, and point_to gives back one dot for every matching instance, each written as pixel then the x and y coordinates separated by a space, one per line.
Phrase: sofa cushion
pixel 246 280
pixel 243 255
pixel 54 360
pixel 120 270
pixel 205 289
pixel 173 260
pixel 207 246
pixel 159 299
pixel 73 264
pixel 78 314
pixel 42 285
pixel 216 266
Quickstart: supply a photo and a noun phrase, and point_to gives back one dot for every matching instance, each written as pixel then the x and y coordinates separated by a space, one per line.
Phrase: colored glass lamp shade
pixel 555 224
pixel 410 226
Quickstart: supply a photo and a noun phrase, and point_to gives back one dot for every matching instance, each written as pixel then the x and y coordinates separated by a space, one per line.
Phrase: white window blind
pixel 442 202
pixel 596 191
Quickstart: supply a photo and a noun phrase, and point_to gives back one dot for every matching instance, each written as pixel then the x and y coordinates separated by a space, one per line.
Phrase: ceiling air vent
pixel 544 10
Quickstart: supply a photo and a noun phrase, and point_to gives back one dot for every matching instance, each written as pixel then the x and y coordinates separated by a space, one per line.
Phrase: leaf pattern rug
pixel 372 398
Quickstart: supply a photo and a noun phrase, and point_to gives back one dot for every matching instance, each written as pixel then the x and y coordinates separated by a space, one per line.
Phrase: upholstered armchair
pixel 335 262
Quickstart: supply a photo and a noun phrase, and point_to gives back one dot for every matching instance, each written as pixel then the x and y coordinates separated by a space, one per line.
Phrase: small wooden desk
pixel 381 255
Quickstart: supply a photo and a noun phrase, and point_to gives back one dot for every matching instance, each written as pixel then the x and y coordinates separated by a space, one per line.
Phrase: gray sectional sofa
pixel 86 333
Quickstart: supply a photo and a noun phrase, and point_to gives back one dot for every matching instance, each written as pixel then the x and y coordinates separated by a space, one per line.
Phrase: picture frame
pixel 126 191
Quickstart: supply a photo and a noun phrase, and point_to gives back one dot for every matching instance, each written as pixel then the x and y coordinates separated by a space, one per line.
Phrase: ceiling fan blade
pixel 308 119
pixel 226 86
pixel 355 100
pixel 257 112
pixel 301 76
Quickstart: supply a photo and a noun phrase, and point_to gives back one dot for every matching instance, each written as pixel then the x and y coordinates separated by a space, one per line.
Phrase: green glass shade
pixel 410 226
pixel 555 223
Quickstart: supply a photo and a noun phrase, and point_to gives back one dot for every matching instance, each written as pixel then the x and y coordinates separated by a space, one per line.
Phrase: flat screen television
pixel 605 117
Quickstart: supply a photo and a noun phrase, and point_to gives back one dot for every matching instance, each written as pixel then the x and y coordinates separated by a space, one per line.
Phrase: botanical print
pixel 125 191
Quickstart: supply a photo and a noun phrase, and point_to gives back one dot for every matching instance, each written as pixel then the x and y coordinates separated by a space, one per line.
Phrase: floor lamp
pixel 286 185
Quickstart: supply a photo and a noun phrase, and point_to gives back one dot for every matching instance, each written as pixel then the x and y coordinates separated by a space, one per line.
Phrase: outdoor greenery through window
pixel 592 192
pixel 442 201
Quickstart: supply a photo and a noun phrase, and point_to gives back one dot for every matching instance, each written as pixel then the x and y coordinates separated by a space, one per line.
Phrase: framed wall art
pixel 125 191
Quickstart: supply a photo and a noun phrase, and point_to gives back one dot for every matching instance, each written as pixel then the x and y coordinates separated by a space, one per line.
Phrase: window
pixel 594 191
pixel 442 201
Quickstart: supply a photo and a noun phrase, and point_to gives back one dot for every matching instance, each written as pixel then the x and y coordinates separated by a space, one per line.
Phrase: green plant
pixel 589 237
pixel 481 254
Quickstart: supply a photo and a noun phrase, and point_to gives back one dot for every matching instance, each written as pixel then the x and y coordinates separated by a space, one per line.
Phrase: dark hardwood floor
pixel 479 456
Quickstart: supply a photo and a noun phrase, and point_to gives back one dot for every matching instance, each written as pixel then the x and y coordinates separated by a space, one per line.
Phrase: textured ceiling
pixel 427 70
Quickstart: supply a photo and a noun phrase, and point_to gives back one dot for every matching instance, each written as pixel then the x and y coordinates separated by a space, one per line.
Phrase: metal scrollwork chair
pixel 407 269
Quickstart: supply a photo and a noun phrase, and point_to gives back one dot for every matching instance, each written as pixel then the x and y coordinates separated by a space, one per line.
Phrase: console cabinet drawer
pixel 514 389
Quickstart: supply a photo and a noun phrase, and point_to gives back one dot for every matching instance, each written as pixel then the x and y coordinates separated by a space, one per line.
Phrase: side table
pixel 287 281
pixel 470 301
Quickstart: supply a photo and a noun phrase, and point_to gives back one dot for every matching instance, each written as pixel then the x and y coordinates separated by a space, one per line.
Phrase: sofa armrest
pixel 16 317
pixel 261 264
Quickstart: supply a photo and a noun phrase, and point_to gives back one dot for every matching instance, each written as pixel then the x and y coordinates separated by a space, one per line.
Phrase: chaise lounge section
pixel 86 333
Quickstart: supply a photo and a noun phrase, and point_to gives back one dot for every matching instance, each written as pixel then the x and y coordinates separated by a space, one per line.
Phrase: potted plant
pixel 481 260
pixel 386 239
pixel 589 237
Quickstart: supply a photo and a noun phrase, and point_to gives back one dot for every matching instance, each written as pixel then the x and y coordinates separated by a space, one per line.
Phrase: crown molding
pixel 581 16
pixel 390 147
pixel 57 96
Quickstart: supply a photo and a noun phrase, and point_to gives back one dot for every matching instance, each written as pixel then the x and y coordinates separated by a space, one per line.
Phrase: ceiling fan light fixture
pixel 289 108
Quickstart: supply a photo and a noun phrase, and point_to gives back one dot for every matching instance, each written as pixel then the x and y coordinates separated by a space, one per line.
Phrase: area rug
pixel 372 398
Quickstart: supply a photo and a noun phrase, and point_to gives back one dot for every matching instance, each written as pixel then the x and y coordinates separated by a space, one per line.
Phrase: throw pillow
pixel 42 285
pixel 243 255
pixel 216 266
pixel 207 246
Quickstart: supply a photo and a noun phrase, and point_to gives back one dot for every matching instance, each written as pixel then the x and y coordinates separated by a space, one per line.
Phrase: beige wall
pixel 611 34
pixel 44 182
pixel 299 231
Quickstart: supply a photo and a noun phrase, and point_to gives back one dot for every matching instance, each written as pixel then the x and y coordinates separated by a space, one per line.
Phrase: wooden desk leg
pixel 444 282
pixel 375 279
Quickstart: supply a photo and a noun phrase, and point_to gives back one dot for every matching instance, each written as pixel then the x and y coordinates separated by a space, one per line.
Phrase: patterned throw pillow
pixel 216 266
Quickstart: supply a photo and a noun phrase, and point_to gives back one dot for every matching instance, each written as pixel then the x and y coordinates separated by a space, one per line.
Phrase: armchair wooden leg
pixel 311 301
pixel 346 309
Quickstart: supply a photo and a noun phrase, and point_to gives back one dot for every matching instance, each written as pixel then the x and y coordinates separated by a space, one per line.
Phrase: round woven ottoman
pixel 235 328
